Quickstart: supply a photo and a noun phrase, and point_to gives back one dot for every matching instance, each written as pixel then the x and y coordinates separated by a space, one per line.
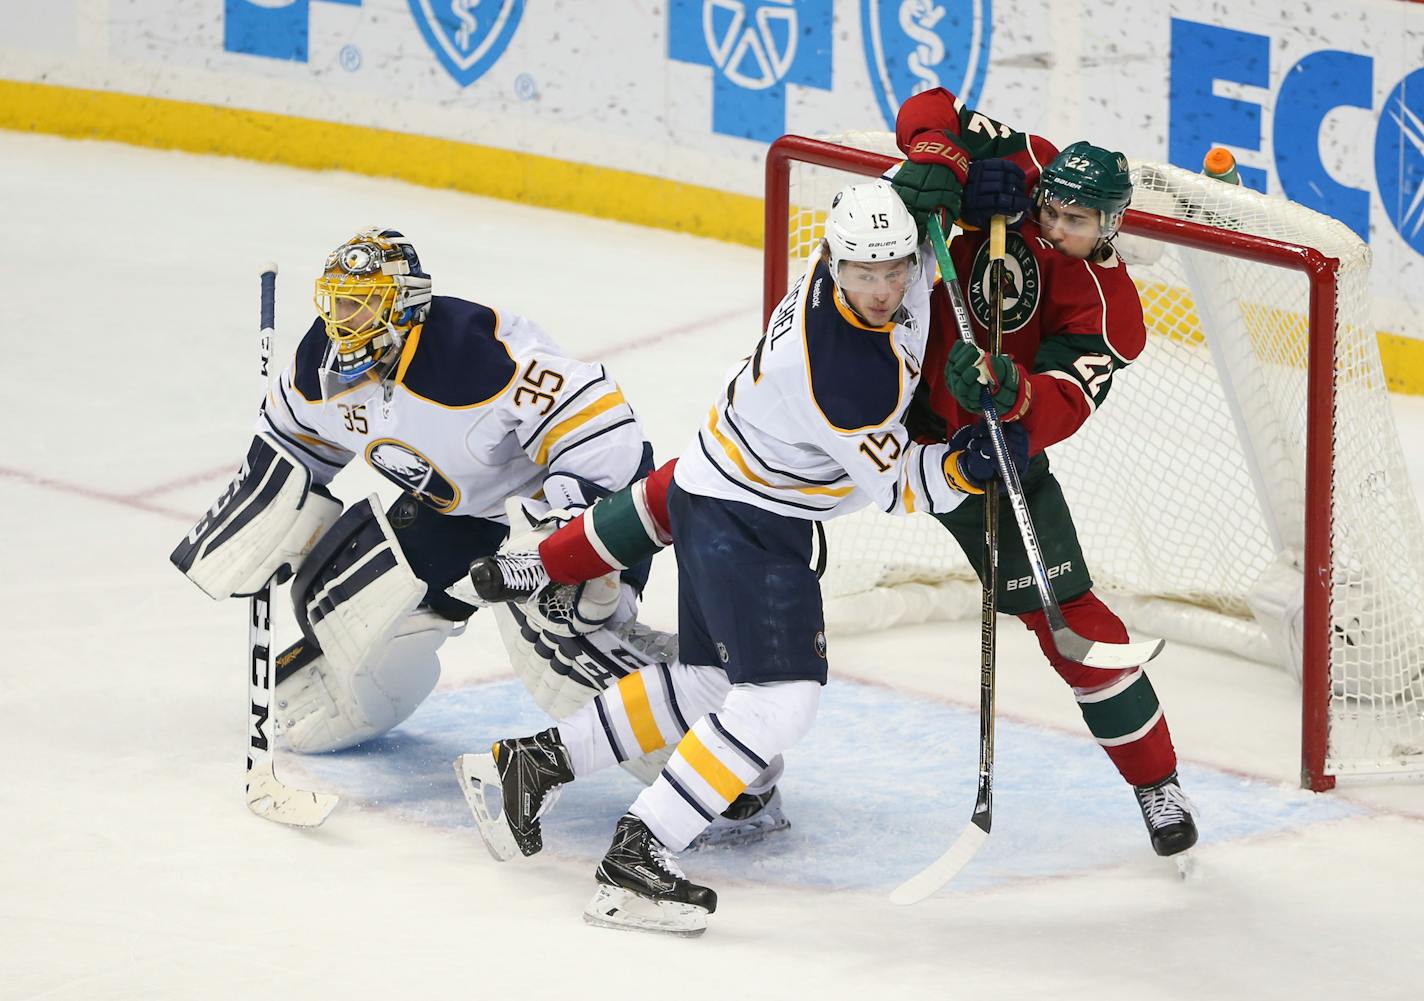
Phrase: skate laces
pixel 1165 805
pixel 522 572
pixel 664 858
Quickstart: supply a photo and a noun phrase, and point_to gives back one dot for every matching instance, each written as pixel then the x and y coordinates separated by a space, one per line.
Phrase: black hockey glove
pixel 995 187
pixel 971 454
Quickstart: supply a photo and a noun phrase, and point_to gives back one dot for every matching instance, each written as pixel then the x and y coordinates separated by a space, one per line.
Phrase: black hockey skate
pixel 749 817
pixel 1168 814
pixel 524 773
pixel 641 887
pixel 508 576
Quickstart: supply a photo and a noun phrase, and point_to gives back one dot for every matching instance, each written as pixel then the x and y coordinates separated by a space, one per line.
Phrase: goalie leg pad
pixel 323 708
pixel 356 588
pixel 265 523
pixel 564 673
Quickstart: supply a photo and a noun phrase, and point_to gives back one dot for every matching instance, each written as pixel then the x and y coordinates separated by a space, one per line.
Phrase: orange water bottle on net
pixel 1220 164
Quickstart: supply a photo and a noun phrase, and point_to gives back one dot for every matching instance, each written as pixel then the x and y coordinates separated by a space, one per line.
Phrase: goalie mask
pixel 371 293
pixel 868 228
pixel 1090 176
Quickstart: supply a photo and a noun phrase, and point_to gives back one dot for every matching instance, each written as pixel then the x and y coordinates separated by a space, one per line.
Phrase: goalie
pixel 459 405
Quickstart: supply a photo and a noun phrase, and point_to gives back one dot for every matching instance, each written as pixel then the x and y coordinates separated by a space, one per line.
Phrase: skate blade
pixel 741 832
pixel 615 907
pixel 479 780
pixel 1186 865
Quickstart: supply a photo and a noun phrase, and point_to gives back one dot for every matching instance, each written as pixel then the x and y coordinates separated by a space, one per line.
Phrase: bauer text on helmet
pixel 1082 197
pixel 873 245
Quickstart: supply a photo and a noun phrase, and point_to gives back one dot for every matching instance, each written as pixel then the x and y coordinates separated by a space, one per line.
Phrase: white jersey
pixel 811 425
pixel 481 406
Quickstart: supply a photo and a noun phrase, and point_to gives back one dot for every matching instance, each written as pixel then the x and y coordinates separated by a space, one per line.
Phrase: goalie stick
pixel 267 795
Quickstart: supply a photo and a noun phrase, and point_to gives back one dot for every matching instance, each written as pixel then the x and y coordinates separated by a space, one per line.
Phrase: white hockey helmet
pixel 869 224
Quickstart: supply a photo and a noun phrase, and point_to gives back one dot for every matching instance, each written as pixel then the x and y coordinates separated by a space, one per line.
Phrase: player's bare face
pixel 1072 229
pixel 875 290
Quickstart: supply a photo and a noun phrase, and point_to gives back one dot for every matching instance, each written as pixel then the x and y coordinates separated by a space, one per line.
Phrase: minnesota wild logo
pixel 1023 285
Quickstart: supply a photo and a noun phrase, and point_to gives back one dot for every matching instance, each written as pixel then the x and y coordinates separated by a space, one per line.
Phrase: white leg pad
pixel 325 708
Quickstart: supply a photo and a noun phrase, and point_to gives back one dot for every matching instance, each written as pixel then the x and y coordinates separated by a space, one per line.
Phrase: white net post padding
pixel 1188 486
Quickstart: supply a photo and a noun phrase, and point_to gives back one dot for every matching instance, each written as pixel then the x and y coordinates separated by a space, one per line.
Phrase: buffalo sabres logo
pixel 413 473
pixel 467 36
pixel 1023 284
pixel 358 258
pixel 756 52
pixel 916 45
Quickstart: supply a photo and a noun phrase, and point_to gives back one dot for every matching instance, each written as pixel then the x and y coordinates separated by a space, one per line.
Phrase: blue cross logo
pixel 277 29
pixel 755 48
pixel 1399 159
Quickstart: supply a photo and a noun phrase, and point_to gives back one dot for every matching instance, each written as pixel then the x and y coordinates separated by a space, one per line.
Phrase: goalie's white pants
pixel 729 739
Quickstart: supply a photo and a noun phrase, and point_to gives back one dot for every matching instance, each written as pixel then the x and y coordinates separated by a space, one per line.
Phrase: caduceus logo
pixel 916 45
pixel 754 52
pixel 468 36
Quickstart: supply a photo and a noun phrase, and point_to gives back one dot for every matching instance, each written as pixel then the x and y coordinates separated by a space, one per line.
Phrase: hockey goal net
pixel 1243 488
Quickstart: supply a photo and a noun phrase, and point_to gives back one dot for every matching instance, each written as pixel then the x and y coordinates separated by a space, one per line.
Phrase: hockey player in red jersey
pixel 1072 319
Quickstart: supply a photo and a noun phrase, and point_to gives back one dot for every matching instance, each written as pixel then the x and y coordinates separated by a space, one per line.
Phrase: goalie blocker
pixel 264 524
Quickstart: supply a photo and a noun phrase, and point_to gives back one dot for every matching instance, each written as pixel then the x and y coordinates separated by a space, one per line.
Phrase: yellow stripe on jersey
pixel 722 779
pixel 735 454
pixel 634 693
pixel 578 420
pixel 412 344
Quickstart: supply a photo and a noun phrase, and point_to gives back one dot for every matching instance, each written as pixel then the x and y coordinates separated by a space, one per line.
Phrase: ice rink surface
pixel 132 869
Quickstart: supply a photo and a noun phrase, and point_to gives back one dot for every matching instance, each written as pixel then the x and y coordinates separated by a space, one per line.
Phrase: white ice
pixel 131 868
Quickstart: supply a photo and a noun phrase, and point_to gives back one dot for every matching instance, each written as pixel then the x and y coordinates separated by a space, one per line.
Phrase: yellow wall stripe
pixel 442 163
pixel 722 779
pixel 437 163
pixel 634 694
pixel 604 403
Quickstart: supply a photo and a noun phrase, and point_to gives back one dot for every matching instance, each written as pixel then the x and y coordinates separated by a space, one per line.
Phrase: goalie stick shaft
pixel 1074 647
pixel 267 796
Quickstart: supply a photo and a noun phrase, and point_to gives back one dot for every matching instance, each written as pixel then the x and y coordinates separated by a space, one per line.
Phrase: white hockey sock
pixel 723 754
pixel 644 711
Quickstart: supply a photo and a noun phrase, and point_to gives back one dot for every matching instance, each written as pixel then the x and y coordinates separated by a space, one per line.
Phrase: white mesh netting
pixel 1188 485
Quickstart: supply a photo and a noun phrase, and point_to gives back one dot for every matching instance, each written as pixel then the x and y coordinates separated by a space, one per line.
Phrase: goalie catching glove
pixel 968 370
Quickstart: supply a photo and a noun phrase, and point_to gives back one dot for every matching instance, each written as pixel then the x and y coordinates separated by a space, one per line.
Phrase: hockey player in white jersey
pixel 810 427
pixel 461 406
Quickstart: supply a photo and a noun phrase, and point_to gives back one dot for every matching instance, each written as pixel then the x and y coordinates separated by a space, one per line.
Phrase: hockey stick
pixel 1074 647
pixel 947 866
pixel 267 796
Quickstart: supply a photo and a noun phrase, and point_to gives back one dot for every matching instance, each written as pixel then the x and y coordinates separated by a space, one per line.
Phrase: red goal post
pixel 1310 631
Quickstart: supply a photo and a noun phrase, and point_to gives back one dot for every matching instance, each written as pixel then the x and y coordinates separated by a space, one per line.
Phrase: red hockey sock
pixel 621 530
pixel 1120 707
